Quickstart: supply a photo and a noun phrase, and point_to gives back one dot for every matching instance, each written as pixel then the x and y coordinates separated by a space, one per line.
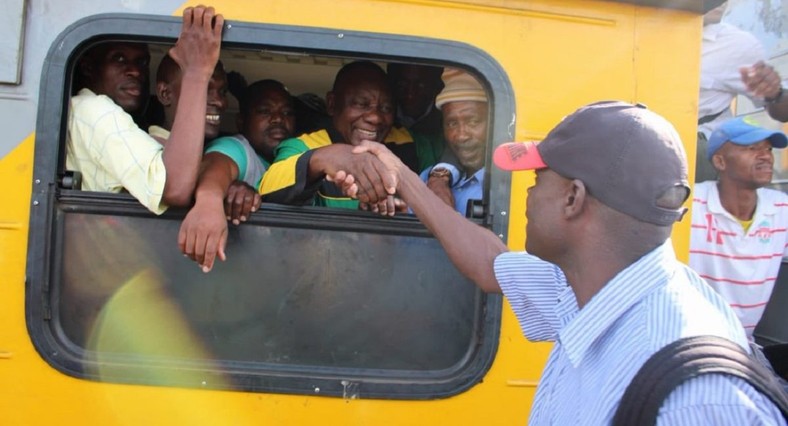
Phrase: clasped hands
pixel 374 188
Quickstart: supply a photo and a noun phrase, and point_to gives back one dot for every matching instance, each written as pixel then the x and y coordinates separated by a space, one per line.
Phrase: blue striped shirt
pixel 598 349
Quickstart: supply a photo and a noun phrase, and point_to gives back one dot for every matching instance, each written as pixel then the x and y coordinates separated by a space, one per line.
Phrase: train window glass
pixel 309 298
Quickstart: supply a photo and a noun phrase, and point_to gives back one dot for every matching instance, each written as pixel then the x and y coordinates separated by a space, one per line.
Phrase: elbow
pixel 177 198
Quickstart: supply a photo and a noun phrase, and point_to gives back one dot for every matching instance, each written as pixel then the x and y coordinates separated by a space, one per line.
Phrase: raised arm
pixel 196 52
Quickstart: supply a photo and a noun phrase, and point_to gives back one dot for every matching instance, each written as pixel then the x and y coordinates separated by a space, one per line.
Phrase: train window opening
pixel 309 297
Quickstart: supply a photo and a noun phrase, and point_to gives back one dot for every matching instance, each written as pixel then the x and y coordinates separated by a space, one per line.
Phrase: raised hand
pixel 197 48
pixel 761 80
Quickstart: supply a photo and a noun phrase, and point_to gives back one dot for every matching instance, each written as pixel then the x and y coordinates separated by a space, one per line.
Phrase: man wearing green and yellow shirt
pixel 361 108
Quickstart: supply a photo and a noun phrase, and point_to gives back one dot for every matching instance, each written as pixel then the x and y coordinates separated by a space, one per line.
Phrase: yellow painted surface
pixel 558 56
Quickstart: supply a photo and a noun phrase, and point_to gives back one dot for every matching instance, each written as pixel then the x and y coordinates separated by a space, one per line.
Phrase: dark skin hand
pixel 374 182
pixel 203 233
pixel 764 82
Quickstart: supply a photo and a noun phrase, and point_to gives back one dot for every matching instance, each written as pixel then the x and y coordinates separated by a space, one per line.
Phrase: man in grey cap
pixel 600 277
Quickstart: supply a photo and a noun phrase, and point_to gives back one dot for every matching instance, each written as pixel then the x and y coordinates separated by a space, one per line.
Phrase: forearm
pixel 471 248
pixel 184 148
pixel 215 177
pixel 779 110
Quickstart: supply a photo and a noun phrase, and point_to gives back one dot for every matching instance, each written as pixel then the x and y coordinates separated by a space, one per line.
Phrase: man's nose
pixel 217 99
pixel 277 117
pixel 374 115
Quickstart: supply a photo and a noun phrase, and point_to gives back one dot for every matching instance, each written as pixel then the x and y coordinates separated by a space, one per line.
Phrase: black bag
pixel 685 359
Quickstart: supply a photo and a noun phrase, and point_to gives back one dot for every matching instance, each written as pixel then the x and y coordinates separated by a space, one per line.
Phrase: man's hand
pixel 761 80
pixel 241 201
pixel 203 235
pixel 387 207
pixel 197 48
pixel 372 179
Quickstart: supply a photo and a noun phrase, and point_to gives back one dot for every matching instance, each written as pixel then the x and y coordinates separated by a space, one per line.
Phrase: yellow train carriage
pixel 319 316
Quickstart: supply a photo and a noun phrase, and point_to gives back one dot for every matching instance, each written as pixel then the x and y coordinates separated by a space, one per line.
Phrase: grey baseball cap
pixel 625 154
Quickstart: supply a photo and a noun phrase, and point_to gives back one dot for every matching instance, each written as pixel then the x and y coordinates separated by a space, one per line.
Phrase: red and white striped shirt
pixel 741 266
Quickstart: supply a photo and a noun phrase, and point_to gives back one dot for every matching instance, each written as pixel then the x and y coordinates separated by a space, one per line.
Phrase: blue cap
pixel 743 131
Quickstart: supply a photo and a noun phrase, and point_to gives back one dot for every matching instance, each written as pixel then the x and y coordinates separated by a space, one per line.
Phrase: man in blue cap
pixel 738 235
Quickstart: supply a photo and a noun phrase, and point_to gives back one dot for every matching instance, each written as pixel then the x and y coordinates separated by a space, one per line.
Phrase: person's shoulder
pixel 86 102
pixel 739 39
pixel 726 399
pixel 700 193
pixel 222 141
pixel 774 197
pixel 399 136
pixel 307 141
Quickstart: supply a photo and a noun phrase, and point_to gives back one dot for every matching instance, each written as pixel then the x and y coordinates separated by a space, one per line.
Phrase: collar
pixel 714 205
pixel 710 32
pixel 159 133
pixel 478 176
pixel 620 294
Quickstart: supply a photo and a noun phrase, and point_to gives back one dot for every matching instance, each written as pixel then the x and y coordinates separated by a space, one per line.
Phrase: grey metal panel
pixel 44 20
pixel 773 327
pixel 12 22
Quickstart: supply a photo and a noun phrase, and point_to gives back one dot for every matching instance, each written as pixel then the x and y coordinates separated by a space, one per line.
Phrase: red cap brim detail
pixel 518 156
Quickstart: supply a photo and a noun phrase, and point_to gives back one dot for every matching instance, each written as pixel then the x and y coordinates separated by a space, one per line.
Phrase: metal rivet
pixel 317 390
pixel 503 213
pixel 204 383
pixel 500 236
pixel 340 35
pixel 35 203
pixel 38 181
pixel 229 26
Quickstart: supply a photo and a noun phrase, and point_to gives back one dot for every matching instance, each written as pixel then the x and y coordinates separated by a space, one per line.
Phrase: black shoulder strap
pixel 685 359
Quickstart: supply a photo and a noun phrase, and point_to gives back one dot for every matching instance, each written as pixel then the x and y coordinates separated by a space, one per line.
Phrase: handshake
pixel 372 178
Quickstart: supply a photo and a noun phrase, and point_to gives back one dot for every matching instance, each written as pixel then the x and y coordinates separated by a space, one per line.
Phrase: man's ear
pixel 330 103
pixel 164 93
pixel 718 161
pixel 575 198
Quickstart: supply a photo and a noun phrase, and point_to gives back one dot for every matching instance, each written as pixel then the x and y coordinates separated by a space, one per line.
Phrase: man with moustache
pixel 361 108
pixel 105 145
pixel 266 118
pixel 463 103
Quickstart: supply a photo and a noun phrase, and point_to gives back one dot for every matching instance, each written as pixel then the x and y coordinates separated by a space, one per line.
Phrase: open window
pixel 311 300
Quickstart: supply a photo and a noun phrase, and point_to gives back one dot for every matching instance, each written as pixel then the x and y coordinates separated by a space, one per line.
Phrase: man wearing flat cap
pixel 738 239
pixel 463 103
pixel 599 278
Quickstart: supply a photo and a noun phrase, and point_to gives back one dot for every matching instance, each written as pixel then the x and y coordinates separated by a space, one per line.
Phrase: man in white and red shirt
pixel 739 227
pixel 739 233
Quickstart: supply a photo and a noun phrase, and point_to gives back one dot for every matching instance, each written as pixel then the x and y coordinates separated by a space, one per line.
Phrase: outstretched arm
pixel 196 52
pixel 471 248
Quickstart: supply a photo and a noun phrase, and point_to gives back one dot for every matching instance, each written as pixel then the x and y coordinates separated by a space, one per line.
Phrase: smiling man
pixel 361 108
pixel 169 81
pixel 105 145
pixel 463 103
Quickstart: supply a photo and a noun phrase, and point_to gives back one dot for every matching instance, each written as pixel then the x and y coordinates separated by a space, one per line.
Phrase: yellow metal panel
pixel 558 55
